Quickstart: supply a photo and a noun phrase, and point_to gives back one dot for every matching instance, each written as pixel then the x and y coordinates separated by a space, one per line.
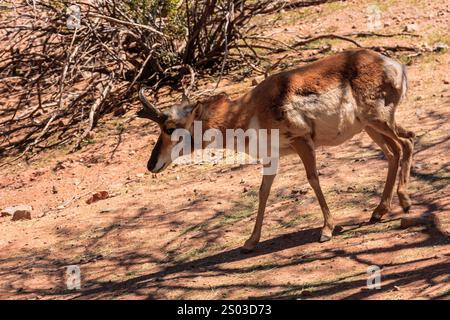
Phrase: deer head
pixel 179 116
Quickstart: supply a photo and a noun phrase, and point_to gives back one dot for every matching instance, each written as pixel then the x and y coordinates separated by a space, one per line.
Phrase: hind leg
pixel 407 148
pixel 396 132
pixel 392 152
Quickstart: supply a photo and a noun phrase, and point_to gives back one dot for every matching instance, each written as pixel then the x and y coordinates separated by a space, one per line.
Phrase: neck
pixel 222 113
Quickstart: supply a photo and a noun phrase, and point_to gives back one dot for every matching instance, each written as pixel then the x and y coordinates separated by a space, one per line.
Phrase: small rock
pixel 101 195
pixel 446 81
pixel 396 288
pixel 20 212
pixel 440 47
pixel 54 190
pixel 411 28
pixel 140 175
pixel 245 190
pixel 21 215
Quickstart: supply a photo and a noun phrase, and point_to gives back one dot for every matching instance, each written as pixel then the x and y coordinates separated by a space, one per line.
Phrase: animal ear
pixel 194 109
pixel 197 110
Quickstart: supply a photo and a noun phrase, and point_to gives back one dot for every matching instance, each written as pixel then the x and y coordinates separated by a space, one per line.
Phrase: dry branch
pixel 93 113
pixel 325 36
pixel 56 82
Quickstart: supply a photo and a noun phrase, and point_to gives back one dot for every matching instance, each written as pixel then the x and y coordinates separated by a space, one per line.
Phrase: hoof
pixel 405 202
pixel 248 247
pixel 374 219
pixel 338 230
pixel 245 250
pixel 378 213
pixel 324 238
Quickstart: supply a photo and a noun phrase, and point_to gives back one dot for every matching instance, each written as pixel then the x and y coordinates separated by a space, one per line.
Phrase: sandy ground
pixel 178 234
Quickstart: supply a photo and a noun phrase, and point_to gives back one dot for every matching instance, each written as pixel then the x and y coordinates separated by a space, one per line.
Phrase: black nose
pixel 154 157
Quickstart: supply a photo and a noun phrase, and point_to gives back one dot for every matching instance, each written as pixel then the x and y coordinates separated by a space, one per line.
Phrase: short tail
pixel 404 82
pixel 400 130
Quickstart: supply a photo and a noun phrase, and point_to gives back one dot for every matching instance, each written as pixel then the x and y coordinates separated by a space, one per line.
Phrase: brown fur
pixel 359 68
pixel 322 103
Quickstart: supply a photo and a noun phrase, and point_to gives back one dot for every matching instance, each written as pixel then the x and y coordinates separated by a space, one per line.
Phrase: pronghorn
pixel 323 103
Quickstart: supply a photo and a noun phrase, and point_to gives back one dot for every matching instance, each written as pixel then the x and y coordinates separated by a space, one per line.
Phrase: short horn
pixel 149 111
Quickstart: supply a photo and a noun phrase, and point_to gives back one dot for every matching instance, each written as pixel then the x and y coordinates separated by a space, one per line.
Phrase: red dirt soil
pixel 178 234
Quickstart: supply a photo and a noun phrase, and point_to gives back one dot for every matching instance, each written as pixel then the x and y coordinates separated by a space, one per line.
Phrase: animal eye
pixel 169 131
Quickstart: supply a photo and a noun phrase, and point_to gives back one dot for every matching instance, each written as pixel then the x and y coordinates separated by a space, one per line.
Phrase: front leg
pixel 305 149
pixel 264 192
